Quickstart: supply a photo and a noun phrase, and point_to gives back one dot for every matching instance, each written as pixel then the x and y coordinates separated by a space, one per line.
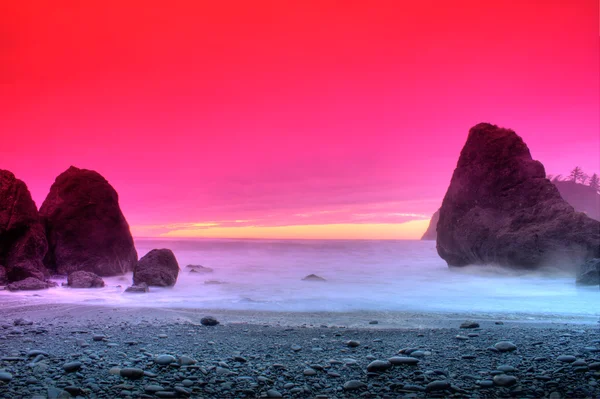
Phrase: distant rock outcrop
pixel 501 209
pixel 198 269
pixel 81 279
pixel 589 273
pixel 313 277
pixel 23 243
pixel 431 232
pixel 581 197
pixel 157 268
pixel 85 227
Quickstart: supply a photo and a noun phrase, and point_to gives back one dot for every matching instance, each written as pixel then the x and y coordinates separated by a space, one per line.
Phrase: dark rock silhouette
pixel 82 279
pixel 589 273
pixel 138 289
pixel 85 227
pixel 199 269
pixel 157 268
pixel 431 232
pixel 313 277
pixel 501 209
pixel 23 242
pixel 30 284
pixel 581 197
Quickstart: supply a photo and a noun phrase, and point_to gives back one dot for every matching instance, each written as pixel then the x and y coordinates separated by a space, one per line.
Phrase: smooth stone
pixel 353 344
pixel 486 383
pixel 271 393
pixel 309 372
pixel 296 348
pixel 503 380
pixel 165 360
pixel 379 365
pixel 5 377
pixel 505 346
pixel 71 367
pixel 166 394
pixel 373 322
pixel 186 360
pixel 440 385
pixel 566 358
pixel 398 360
pixel 36 352
pixel 132 373
pixel 209 321
pixel 153 388
pixel 353 385
pixel 469 324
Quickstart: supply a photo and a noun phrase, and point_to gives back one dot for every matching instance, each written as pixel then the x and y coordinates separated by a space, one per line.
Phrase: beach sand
pixel 93 351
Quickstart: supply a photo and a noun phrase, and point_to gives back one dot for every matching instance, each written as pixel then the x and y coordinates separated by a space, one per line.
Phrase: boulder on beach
pixel 313 277
pixel 30 284
pixel 501 209
pixel 23 242
pixel 589 273
pixel 138 288
pixel 431 232
pixel 85 227
pixel 83 279
pixel 198 269
pixel 157 268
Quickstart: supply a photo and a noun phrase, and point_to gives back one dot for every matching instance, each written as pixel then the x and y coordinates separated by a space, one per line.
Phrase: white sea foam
pixel 361 275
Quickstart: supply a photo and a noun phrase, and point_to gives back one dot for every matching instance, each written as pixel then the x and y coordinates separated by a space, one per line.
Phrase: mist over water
pixel 266 275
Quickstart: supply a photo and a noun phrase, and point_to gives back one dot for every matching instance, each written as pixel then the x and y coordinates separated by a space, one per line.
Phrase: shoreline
pixel 359 319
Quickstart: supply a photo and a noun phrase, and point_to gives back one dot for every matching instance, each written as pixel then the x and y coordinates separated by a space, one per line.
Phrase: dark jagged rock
pixel 30 284
pixel 85 227
pixel 313 277
pixel 431 233
pixel 23 242
pixel 157 268
pixel 209 321
pixel 138 288
pixel 83 279
pixel 589 273
pixel 501 209
pixel 3 279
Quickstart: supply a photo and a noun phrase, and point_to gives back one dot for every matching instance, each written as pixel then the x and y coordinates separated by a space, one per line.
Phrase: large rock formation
pixel 157 268
pixel 431 232
pixel 581 197
pixel 501 209
pixel 22 240
pixel 85 227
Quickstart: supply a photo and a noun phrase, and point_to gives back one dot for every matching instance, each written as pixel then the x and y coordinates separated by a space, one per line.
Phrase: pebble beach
pixel 81 351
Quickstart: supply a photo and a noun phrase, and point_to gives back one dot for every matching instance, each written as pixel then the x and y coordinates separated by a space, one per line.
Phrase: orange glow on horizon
pixel 376 231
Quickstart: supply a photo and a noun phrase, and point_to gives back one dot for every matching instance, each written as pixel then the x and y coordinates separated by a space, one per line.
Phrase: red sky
pixel 345 118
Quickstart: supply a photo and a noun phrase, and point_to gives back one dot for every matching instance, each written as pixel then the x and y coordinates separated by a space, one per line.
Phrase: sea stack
pixel 431 232
pixel 85 227
pixel 501 209
pixel 22 240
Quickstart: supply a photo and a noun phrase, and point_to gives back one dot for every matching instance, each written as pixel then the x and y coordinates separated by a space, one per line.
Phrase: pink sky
pixel 275 113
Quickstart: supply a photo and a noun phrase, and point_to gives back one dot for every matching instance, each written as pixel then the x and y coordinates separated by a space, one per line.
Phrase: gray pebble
pixel 353 385
pixel 504 380
pixel 379 365
pixel 505 346
pixel 71 367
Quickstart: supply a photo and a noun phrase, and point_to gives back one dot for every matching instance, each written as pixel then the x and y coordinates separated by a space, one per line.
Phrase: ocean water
pixel 266 275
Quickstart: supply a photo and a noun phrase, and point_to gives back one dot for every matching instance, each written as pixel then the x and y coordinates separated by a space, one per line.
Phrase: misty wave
pixel 361 275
